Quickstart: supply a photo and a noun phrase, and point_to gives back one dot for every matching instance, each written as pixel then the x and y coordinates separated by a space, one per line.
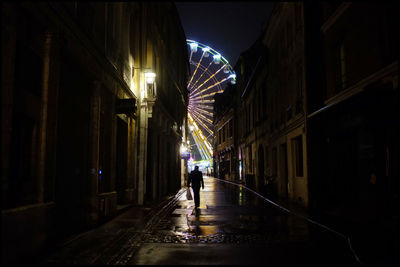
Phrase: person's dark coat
pixel 196 179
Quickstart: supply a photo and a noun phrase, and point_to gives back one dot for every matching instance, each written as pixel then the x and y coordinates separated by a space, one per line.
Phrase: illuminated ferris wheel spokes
pixel 201 75
pixel 213 75
pixel 198 64
pixel 209 71
pixel 216 59
pixel 211 79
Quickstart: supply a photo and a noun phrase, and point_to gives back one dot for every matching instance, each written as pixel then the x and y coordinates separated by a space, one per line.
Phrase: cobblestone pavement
pixel 232 226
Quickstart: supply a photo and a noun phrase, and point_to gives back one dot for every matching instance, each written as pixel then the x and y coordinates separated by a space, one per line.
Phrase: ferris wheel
pixel 210 73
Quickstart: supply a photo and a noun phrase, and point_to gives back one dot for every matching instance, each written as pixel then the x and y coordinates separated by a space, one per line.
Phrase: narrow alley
pixel 289 109
pixel 233 226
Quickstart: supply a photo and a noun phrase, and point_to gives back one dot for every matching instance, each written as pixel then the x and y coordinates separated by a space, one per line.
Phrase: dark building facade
pixel 318 114
pixel 321 78
pixel 83 115
pixel 353 112
pixel 249 65
pixel 270 111
pixel 353 120
pixel 225 128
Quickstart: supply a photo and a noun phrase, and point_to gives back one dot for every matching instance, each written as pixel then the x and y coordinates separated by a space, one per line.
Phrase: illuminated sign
pixel 185 154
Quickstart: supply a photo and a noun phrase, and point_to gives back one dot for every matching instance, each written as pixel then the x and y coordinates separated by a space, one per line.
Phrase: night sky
pixel 228 27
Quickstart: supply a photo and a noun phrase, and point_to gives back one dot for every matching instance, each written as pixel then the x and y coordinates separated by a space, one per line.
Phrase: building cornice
pixel 299 122
pixel 387 73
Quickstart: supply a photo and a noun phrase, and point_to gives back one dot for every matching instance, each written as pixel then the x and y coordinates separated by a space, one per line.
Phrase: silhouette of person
pixel 196 179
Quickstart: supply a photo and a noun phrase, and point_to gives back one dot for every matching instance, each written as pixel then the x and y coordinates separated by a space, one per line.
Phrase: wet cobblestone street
pixel 232 226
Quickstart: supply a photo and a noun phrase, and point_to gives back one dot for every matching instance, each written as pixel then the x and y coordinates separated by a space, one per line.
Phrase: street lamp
pixel 150 77
pixel 150 91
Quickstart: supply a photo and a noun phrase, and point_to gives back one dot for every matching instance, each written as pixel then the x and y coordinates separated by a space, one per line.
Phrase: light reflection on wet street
pixel 235 226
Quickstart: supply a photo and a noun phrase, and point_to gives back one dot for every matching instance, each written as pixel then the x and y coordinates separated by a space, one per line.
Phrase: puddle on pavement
pixel 227 210
pixel 204 230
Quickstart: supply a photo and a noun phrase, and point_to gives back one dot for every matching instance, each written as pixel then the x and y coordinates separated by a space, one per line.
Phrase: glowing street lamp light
pixel 150 77
pixel 183 148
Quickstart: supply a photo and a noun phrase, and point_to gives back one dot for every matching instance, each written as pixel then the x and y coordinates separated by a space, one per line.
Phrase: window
pixel 297 145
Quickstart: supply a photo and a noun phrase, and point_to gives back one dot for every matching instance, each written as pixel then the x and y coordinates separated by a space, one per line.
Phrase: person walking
pixel 196 180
